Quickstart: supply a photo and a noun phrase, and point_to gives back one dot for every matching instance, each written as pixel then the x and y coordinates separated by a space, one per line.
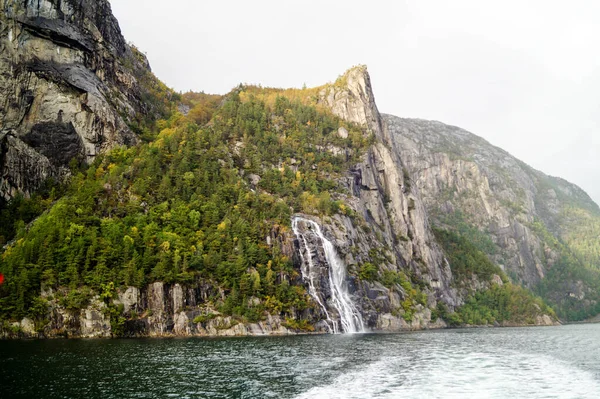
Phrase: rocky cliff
pixel 159 310
pixel 397 224
pixel 530 218
pixel 69 89
pixel 394 230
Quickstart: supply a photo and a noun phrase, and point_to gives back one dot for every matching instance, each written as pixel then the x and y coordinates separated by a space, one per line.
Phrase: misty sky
pixel 525 75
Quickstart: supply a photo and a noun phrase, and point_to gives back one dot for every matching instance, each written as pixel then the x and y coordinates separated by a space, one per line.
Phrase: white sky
pixel 525 75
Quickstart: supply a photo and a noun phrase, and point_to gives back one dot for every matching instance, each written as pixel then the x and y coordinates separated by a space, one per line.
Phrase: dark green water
pixel 550 362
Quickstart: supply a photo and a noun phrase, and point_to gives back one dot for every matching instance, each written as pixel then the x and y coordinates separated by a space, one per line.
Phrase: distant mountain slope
pixel 543 230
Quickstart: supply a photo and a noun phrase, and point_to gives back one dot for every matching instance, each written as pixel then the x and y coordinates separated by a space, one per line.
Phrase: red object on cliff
pixel 1 278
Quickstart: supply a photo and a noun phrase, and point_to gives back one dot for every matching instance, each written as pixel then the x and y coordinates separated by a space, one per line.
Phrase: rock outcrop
pixel 456 171
pixel 399 191
pixel 529 217
pixel 159 310
pixel 382 194
pixel 69 89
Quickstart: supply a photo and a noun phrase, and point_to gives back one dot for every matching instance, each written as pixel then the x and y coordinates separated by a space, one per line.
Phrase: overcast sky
pixel 525 75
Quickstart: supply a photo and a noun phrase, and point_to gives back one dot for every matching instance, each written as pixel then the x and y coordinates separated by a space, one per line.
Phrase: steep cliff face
pixel 69 87
pixel 531 218
pixel 456 171
pixel 392 232
pixel 385 194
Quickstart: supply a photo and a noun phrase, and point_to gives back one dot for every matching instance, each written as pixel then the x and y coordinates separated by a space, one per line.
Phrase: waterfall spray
pixel 350 319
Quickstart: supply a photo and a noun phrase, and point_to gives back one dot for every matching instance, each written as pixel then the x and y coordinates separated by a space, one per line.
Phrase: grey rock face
pixel 57 141
pixel 456 171
pixel 22 166
pixel 390 204
pixel 379 306
pixel 343 132
pixel 315 270
pixel 68 88
pixel 159 310
pixel 397 222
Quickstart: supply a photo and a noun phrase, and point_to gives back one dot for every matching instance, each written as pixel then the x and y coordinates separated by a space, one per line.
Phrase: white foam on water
pixel 475 375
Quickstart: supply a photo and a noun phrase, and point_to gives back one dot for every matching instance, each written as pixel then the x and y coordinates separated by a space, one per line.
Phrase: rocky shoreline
pixel 241 330
pixel 163 310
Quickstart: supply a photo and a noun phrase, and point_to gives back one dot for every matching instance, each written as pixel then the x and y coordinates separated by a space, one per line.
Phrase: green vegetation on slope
pixel 581 232
pixel 506 304
pixel 17 213
pixel 572 281
pixel 569 286
pixel 184 208
pixel 465 258
pixel 468 250
pixel 499 303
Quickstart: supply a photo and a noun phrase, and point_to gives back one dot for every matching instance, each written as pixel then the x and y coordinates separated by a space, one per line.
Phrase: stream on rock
pixel 330 293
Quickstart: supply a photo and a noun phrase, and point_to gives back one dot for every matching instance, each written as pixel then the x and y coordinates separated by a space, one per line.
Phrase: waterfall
pixel 350 319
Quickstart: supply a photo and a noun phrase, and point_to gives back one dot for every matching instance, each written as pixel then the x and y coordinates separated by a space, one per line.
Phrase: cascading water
pixel 350 319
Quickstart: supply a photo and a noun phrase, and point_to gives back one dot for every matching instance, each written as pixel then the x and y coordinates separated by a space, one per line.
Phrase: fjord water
pixel 544 362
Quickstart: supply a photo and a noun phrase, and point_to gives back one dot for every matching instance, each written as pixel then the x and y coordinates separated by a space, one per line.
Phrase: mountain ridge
pixel 494 191
pixel 593 205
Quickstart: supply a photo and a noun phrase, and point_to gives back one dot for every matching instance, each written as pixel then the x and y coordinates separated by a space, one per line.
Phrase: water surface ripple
pixel 549 362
